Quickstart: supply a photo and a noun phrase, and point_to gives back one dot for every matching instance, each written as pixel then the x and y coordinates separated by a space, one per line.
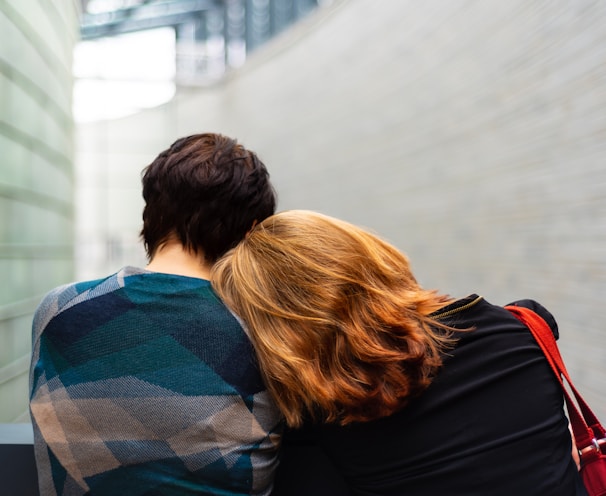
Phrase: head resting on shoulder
pixel 206 191
pixel 341 326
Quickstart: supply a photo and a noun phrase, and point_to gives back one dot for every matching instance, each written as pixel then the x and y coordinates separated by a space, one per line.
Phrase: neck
pixel 173 258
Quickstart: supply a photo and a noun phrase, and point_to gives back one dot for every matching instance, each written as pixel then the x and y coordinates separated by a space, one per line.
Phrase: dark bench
pixel 18 475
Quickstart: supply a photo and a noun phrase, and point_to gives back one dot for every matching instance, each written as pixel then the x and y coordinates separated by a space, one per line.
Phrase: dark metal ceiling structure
pixel 144 14
pixel 249 21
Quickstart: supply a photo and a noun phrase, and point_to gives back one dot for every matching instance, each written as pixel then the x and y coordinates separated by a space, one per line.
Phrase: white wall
pixel 469 133
pixel 36 177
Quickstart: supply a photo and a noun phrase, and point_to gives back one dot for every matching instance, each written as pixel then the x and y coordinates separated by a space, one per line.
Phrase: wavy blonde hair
pixel 340 325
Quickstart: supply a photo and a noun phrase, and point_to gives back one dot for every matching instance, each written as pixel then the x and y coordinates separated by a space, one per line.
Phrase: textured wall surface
pixel 36 177
pixel 471 134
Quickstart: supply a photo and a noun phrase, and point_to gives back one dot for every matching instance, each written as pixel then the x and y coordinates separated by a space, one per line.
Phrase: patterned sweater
pixel 145 384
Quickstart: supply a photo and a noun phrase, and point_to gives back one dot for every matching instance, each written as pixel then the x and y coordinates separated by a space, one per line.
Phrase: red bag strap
pixel 585 425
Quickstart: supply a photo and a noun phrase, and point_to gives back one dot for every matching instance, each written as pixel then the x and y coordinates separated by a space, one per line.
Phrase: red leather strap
pixel 585 425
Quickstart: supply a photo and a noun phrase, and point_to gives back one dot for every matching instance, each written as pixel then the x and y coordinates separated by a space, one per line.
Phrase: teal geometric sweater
pixel 145 384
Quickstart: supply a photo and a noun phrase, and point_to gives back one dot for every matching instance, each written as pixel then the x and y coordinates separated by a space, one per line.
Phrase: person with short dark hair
pixel 143 382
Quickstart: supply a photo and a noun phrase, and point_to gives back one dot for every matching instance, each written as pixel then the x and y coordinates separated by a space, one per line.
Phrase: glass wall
pixel 36 177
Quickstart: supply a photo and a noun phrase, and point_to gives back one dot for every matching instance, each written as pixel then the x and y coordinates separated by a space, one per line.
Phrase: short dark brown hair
pixel 206 191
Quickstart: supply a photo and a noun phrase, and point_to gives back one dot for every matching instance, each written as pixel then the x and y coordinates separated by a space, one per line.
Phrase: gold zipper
pixel 458 309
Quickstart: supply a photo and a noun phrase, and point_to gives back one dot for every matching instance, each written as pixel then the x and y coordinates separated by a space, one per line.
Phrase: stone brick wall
pixel 469 133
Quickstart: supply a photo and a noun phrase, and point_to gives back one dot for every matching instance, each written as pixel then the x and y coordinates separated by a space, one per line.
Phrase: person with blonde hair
pixel 407 390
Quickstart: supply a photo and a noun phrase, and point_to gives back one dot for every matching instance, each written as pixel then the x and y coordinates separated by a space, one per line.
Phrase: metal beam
pixel 148 15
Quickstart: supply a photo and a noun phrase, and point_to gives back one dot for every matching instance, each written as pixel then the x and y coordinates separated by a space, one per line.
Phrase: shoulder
pixel 539 309
pixel 65 296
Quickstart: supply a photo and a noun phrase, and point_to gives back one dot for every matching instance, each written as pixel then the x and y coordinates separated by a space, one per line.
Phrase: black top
pixel 491 423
